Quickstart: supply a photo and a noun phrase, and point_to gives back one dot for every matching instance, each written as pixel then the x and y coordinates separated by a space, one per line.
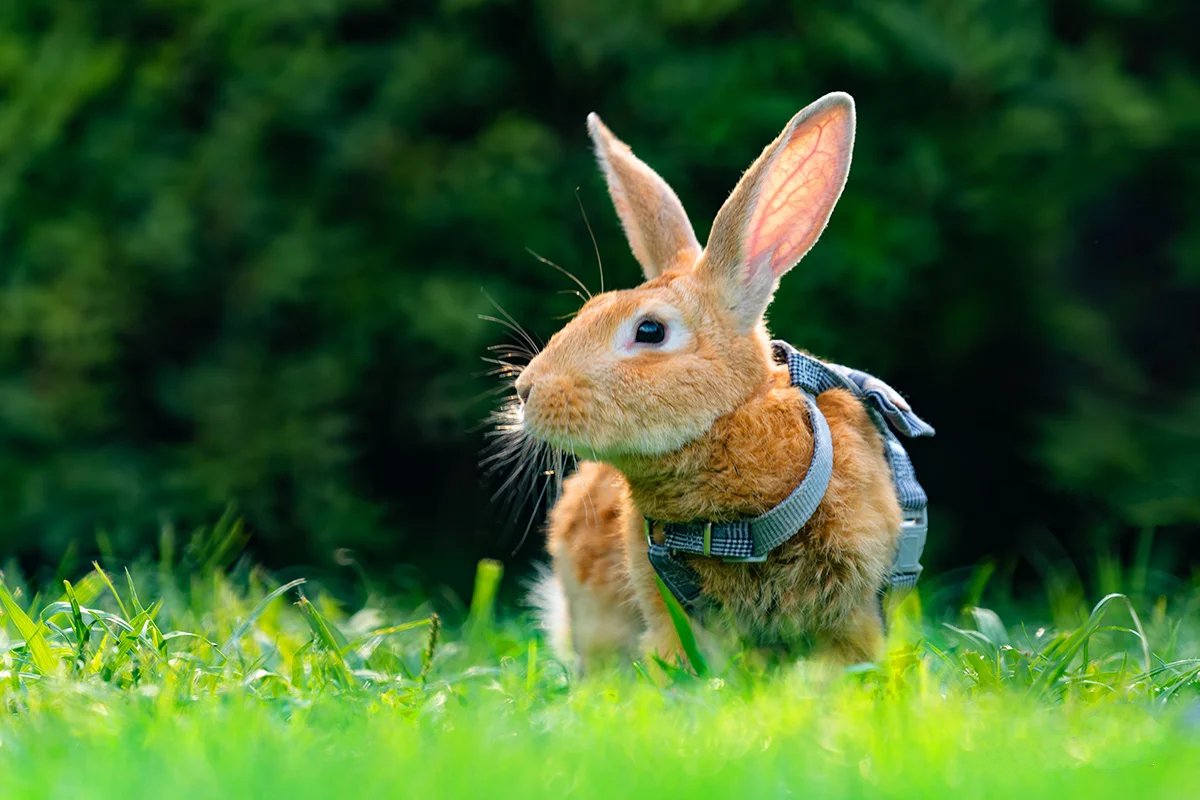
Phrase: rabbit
pixel 669 396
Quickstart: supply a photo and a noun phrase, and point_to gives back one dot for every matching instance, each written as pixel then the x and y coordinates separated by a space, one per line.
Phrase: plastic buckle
pixel 920 517
pixel 913 529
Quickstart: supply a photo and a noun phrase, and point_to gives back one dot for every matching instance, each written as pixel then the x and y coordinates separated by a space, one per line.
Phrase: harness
pixel 751 540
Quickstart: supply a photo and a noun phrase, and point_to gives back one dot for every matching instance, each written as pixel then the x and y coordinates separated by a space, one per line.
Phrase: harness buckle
pixel 914 525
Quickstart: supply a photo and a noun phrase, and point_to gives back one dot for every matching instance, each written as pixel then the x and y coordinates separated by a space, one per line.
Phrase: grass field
pixel 192 680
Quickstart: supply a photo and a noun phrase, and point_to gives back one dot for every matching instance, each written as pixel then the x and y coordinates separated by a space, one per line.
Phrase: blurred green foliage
pixel 242 247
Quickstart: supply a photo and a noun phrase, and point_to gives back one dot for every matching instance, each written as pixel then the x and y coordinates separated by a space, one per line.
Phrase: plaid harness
pixel 751 540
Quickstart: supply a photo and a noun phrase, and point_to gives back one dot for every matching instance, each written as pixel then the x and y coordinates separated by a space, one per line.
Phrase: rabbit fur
pixel 704 424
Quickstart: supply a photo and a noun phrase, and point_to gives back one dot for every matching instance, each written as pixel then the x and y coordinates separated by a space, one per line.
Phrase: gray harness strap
pixel 751 540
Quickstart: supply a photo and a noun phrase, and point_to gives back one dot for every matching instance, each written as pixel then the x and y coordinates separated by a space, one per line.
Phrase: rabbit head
pixel 644 371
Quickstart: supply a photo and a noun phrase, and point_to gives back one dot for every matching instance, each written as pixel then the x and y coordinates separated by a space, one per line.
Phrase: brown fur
pixel 643 201
pixel 705 425
pixel 587 548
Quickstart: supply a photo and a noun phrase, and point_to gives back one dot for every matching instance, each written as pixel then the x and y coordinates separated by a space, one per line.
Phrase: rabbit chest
pixel 818 504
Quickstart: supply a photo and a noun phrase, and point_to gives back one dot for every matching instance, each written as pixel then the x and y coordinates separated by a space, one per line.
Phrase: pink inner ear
pixel 798 192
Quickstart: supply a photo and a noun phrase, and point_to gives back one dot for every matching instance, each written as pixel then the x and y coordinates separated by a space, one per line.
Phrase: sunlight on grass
pixel 235 685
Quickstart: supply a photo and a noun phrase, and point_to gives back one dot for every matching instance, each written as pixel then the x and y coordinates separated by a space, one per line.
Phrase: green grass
pixel 191 680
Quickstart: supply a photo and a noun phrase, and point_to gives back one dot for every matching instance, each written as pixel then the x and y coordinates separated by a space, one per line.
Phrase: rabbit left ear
pixel 779 207
pixel 655 223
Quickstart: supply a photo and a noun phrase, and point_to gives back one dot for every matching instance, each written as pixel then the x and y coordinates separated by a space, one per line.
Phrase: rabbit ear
pixel 780 206
pixel 655 223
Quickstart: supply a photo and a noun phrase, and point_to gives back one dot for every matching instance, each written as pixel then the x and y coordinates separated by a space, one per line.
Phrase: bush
pixel 242 246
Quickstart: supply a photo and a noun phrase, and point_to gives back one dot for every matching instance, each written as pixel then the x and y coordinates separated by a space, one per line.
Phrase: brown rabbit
pixel 673 393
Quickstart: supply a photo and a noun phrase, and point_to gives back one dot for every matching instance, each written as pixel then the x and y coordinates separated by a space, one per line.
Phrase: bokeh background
pixel 244 247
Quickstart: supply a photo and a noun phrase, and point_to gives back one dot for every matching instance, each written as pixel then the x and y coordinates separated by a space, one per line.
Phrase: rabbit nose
pixel 523 389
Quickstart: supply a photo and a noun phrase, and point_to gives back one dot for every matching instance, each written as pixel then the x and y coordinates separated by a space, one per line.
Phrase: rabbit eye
pixel 650 331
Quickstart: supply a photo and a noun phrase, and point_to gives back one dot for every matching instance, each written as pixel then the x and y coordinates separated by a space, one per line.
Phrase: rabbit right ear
pixel 655 223
pixel 779 207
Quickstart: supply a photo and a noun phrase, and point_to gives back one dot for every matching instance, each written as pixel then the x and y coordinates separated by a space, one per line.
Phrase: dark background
pixel 244 245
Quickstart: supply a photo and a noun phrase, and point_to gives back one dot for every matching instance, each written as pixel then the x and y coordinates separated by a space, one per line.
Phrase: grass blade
pixel 257 611
pixel 33 633
pixel 82 632
pixel 435 626
pixel 113 589
pixel 683 628
pixel 481 616
pixel 325 637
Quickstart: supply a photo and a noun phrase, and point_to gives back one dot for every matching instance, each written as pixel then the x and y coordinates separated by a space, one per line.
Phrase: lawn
pixel 197 678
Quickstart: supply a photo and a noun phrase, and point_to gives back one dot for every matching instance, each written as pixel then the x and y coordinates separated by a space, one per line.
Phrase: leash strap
pixel 750 540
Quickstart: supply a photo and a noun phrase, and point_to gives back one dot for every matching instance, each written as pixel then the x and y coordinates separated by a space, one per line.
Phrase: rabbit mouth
pixel 569 427
pixel 561 436
pixel 559 411
pixel 573 415
pixel 608 446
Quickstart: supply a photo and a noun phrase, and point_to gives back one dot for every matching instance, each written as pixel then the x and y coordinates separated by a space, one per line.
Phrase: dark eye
pixel 650 331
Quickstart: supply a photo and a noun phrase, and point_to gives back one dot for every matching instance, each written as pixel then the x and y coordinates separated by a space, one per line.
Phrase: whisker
pixel 514 475
pixel 500 456
pixel 510 353
pixel 501 364
pixel 532 516
pixel 516 348
pixel 575 292
pixel 563 270
pixel 528 472
pixel 591 233
pixel 512 324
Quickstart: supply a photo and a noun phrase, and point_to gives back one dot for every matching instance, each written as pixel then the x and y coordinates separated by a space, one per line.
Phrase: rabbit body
pixel 670 395
pixel 821 585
